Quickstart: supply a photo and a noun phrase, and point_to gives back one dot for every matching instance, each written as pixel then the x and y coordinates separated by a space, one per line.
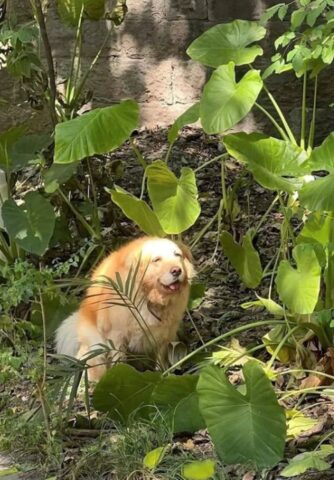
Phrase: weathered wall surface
pixel 145 59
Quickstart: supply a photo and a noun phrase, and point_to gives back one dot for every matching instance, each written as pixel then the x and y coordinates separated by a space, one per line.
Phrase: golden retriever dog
pixel 158 273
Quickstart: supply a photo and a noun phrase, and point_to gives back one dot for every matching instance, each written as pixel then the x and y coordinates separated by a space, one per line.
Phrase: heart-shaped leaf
pixel 244 258
pixel 176 397
pixel 225 102
pixel 228 42
pixel 271 161
pixel 123 390
pixel 200 470
pixel 174 199
pixel 31 224
pixel 246 429
pixel 188 117
pixel 99 131
pixel 138 211
pixel 299 287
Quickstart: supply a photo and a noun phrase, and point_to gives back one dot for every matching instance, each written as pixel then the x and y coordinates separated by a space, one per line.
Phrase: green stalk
pixel 139 156
pixel 303 124
pixel 280 345
pixel 281 115
pixel 224 336
pixel 79 217
pixel 92 65
pixel 95 215
pixel 273 121
pixel 266 213
pixel 70 84
pixel 169 151
pixel 314 108
pixel 205 164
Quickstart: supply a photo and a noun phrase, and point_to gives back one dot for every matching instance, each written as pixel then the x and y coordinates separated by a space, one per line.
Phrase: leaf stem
pixel 314 109
pixel 205 164
pixel 303 119
pixel 281 115
pixel 78 215
pixel 222 337
pixel 38 10
pixel 273 121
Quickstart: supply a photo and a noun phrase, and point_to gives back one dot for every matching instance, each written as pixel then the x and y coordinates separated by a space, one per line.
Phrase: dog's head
pixel 167 267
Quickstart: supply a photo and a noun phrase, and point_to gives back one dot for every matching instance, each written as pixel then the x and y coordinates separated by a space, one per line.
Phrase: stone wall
pixel 145 59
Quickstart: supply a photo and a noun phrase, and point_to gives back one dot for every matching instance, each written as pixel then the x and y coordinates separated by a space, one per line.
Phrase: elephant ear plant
pixel 301 269
pixel 28 225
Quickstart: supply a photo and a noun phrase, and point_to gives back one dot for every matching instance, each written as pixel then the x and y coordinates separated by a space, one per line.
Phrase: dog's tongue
pixel 174 286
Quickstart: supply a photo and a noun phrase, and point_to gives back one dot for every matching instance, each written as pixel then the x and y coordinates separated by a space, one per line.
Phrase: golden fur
pixel 164 271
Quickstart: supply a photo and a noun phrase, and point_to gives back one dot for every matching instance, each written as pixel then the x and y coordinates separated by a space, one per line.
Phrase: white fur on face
pixel 162 256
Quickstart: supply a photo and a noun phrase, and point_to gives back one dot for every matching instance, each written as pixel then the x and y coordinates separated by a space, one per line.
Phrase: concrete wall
pixel 145 58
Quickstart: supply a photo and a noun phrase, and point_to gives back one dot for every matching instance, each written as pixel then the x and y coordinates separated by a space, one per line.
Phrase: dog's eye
pixel 156 259
pixel 177 254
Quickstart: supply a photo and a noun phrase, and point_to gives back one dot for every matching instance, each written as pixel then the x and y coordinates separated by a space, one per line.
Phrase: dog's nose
pixel 176 271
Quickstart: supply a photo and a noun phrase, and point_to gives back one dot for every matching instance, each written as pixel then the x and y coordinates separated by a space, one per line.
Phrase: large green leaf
pixel 31 224
pixel 270 160
pixel 138 211
pixel 176 397
pixel 318 195
pixel 99 131
pixel 224 101
pixel 299 287
pixel 191 115
pixel 322 157
pixel 246 429
pixel 174 199
pixel 228 42
pixel 69 10
pixel 123 390
pixel 244 258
